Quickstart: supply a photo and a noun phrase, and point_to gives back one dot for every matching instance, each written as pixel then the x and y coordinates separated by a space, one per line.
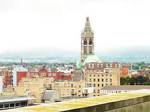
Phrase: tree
pixel 124 80
pixel 140 80
pixel 146 83
pixel 133 81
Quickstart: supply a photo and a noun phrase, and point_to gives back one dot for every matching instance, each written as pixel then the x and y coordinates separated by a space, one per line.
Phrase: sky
pixel 38 25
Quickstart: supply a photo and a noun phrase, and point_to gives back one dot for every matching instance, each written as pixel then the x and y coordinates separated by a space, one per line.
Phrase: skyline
pixel 48 25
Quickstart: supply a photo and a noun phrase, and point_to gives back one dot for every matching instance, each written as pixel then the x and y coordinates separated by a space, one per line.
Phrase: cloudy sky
pixel 27 25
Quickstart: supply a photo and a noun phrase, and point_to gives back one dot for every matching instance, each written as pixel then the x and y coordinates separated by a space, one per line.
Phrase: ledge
pixel 101 103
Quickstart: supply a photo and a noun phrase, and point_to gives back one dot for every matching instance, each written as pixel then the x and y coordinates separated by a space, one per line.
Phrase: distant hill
pixel 122 55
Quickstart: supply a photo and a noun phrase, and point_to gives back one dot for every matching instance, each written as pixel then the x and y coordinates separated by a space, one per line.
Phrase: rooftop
pixel 91 58
pixel 126 87
pixel 13 99
pixel 79 103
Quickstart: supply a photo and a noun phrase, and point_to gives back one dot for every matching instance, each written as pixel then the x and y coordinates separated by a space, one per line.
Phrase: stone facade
pixel 69 89
pixel 33 87
pixel 87 41
pixel 97 76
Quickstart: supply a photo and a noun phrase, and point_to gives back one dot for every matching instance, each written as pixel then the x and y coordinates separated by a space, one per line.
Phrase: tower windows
pixel 85 42
pixel 90 42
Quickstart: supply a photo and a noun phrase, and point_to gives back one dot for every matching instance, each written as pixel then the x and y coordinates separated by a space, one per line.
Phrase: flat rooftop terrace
pixel 5 99
pixel 84 103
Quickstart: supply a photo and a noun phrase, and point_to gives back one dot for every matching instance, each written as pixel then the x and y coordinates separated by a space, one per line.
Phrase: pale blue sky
pixel 57 24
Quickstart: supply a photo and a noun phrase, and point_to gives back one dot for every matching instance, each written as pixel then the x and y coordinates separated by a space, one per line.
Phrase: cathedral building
pixel 96 74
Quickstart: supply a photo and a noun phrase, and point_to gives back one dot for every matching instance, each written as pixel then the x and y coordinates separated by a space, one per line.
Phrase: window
pixel 94 85
pixel 102 80
pixel 6 105
pixel 17 104
pixel 1 106
pixel 89 85
pixel 94 80
pixel 90 80
pixel 85 42
pixel 90 42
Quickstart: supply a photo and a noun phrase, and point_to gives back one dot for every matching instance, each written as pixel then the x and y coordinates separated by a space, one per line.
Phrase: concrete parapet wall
pixel 124 102
pixel 140 104
pixel 141 107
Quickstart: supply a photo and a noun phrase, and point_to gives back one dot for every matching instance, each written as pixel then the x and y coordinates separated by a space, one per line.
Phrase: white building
pixel 1 84
pixel 14 73
pixel 123 89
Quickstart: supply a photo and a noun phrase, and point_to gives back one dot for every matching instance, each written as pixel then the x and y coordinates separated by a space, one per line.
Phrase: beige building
pixel 97 75
pixel 36 86
pixel 69 88
pixel 33 87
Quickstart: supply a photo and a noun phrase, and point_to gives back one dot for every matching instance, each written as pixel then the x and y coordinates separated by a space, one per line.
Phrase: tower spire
pixel 87 40
pixel 87 25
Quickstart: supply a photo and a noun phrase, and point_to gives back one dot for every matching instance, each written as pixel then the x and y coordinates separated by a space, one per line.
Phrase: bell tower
pixel 87 41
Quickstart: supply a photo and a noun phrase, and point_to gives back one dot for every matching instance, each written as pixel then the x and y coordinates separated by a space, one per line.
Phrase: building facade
pixel 1 84
pixel 125 89
pixel 99 75
pixel 69 89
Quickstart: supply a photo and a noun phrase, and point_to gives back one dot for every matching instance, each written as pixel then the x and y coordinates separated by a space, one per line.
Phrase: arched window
pixel 85 42
pixel 90 42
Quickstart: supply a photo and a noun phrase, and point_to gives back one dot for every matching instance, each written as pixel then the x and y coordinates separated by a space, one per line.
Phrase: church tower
pixel 87 41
